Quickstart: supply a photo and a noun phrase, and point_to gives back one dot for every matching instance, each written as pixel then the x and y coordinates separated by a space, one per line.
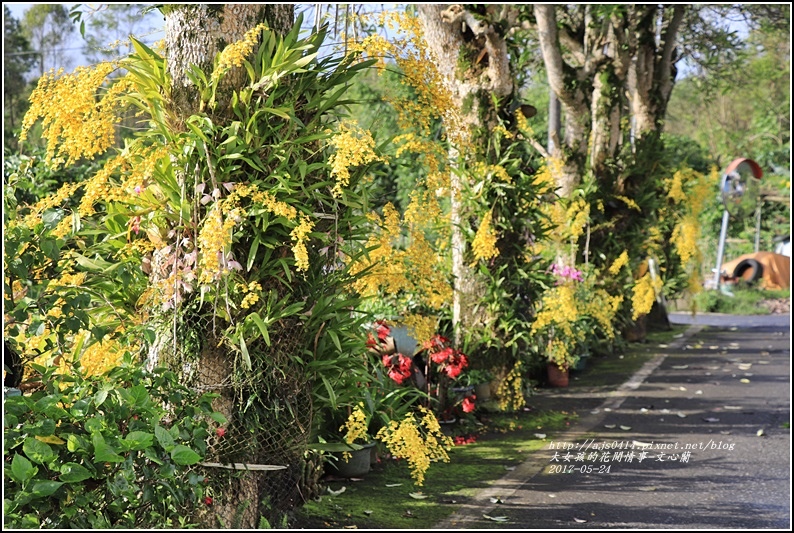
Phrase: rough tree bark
pixel 457 38
pixel 596 57
pixel 195 33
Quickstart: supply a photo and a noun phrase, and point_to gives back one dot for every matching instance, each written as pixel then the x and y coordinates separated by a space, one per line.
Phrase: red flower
pixel 453 371
pixel 382 329
pixel 460 440
pixel 207 500
pixel 405 363
pixel 371 342
pixel 397 376
pixel 220 432
pixel 462 360
pixel 441 356
pixel 468 403
pixel 387 360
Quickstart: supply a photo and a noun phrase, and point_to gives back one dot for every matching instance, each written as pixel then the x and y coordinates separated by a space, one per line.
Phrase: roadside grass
pixel 382 499
pixel 746 300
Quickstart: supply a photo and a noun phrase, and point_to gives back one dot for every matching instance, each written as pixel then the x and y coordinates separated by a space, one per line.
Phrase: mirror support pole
pixel 721 247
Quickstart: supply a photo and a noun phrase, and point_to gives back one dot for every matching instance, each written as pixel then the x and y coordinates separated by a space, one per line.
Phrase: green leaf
pixel 164 438
pixel 74 473
pixel 42 489
pixel 140 396
pixel 21 469
pixel 75 443
pixel 80 408
pixel 335 338
pixel 182 455
pixel 252 254
pixel 100 396
pixel 246 356
pixel 42 428
pixel 261 325
pixel 37 451
pixel 137 440
pixel 104 453
pixel 218 417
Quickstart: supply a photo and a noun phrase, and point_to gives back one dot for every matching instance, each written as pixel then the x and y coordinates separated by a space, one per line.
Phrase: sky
pixel 75 46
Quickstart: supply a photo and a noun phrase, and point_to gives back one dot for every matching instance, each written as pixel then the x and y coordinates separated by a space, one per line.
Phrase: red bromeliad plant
pixel 449 360
pixel 432 369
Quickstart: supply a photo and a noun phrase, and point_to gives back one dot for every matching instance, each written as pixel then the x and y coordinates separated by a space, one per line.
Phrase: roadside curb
pixel 503 488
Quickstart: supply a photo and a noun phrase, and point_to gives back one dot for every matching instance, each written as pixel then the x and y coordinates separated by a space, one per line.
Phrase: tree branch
pixel 664 68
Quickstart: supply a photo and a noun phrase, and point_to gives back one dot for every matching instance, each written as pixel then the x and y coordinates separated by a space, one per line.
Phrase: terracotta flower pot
pixel 557 377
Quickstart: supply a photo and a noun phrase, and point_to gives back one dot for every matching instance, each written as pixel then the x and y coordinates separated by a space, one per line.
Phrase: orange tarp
pixel 775 267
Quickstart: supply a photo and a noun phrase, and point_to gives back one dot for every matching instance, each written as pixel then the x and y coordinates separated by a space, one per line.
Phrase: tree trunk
pixel 457 39
pixel 195 33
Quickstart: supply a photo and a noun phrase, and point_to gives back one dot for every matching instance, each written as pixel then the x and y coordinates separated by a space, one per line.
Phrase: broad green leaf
pixel 42 489
pixel 42 427
pixel 21 469
pixel 75 443
pixel 38 452
pixel 74 473
pixel 218 417
pixel 140 396
pixel 104 453
pixel 100 396
pixel 164 438
pixel 79 408
pixel 182 455
pixel 137 440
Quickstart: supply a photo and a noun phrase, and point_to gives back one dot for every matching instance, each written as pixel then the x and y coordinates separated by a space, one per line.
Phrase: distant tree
pixel 18 60
pixel 109 27
pixel 49 30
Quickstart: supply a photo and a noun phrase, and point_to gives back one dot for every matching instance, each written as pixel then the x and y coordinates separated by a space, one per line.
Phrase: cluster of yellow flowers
pixel 422 328
pixel 251 291
pixel 75 124
pixel 484 244
pixel 693 189
pixel 685 238
pixel 565 305
pixel 629 202
pixel 645 290
pixel 354 147
pixel 419 442
pixel 355 427
pixel 101 356
pixel 559 309
pixel 300 234
pixel 415 270
pixel 486 171
pixel 235 53
pixel 510 392
pixel 620 262
pixel 407 46
pixel 558 353
pixel 213 239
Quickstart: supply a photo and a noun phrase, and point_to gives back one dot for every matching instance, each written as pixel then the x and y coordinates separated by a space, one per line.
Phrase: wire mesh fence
pixel 258 465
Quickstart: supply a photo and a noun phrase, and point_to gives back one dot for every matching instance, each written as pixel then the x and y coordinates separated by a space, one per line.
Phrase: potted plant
pixel 354 458
pixel 480 379
pixel 560 359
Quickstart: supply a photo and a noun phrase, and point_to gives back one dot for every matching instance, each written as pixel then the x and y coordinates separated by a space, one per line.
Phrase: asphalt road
pixel 710 411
